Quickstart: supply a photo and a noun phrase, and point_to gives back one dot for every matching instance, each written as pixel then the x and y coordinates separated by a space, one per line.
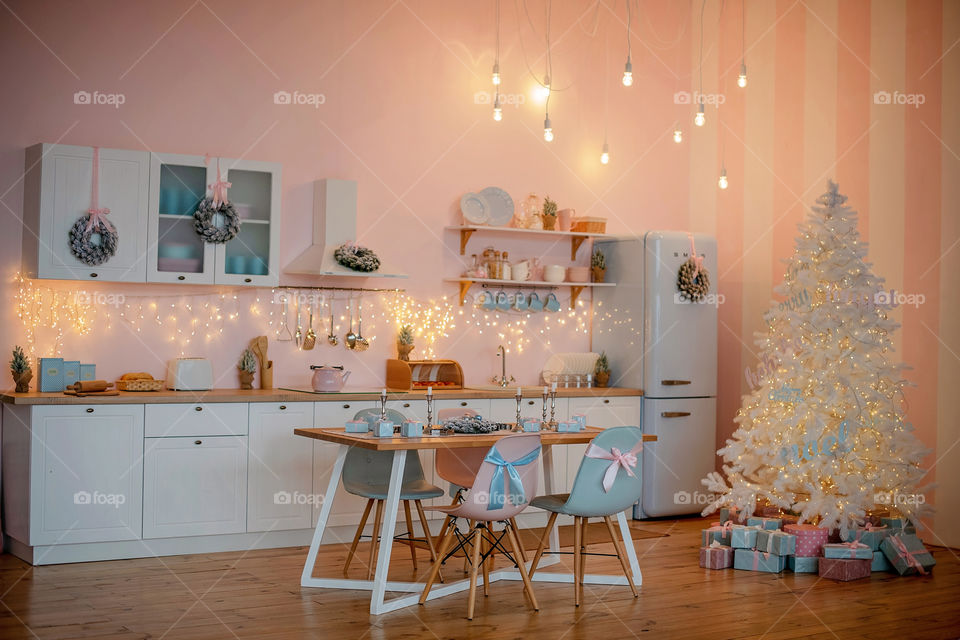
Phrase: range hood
pixel 334 223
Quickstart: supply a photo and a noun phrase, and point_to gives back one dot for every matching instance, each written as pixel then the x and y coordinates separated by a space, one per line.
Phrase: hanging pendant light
pixel 497 109
pixel 627 74
pixel 677 135
pixel 547 129
pixel 701 117
pixel 605 154
pixel 723 183
pixel 742 78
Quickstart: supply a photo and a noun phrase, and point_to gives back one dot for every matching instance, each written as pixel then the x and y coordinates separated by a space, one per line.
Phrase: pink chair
pixel 503 487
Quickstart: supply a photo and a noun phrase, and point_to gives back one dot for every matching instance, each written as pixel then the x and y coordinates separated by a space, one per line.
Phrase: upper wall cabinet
pixel 156 202
pixel 57 188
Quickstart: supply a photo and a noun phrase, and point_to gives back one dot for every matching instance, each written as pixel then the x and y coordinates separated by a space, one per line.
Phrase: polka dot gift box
pixel 810 539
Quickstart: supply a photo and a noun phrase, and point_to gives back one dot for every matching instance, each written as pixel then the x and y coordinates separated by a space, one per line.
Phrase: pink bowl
pixel 578 274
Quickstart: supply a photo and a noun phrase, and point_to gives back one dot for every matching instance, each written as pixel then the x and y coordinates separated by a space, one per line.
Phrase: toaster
pixel 189 374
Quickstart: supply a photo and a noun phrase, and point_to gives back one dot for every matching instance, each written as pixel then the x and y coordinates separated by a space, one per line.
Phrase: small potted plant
pixel 549 214
pixel 20 368
pixel 247 367
pixel 405 342
pixel 598 265
pixel 601 370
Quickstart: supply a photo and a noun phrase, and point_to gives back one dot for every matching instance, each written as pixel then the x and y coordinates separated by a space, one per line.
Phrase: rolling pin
pixel 87 386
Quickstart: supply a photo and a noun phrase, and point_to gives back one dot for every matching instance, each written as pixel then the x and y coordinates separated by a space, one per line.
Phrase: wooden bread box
pixel 406 375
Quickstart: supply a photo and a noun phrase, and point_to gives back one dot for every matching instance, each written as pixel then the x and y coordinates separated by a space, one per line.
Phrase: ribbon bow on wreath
pixel 693 279
pixel 204 220
pixel 95 222
pixel 617 459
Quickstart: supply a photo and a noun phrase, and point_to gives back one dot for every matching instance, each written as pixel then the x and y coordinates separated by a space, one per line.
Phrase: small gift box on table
pixel 852 549
pixel 719 533
pixel 357 426
pixel 779 543
pixel 868 534
pixel 880 562
pixel 382 429
pixel 530 425
pixel 716 556
pixel 844 569
pixel 810 539
pixel 907 554
pixel 770 524
pixel 411 429
pixel 581 419
pixel 754 560
pixel 803 565
pixel 743 536
pixel 571 426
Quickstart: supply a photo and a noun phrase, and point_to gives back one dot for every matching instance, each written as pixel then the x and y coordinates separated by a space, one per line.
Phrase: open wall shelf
pixel 576 237
pixel 576 288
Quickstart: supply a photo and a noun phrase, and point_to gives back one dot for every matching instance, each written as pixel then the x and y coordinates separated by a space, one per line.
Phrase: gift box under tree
pixel 880 562
pixel 868 534
pixel 844 569
pixel 907 554
pixel 754 560
pixel 778 543
pixel 803 565
pixel 743 536
pixel 770 524
pixel 810 539
pixel 716 556
pixel 852 549
pixel 717 532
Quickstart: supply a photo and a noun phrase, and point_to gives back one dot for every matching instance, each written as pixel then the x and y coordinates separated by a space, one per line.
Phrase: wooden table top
pixel 450 441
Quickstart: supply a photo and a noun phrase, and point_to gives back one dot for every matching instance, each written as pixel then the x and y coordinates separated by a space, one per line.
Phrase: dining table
pixel 399 445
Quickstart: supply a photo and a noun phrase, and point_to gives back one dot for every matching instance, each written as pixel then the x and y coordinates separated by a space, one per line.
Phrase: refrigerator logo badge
pixel 714 299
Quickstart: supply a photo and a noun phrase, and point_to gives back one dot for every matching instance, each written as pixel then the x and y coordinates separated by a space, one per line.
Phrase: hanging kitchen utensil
pixel 332 339
pixel 284 335
pixel 351 337
pixel 311 338
pixel 362 343
pixel 298 336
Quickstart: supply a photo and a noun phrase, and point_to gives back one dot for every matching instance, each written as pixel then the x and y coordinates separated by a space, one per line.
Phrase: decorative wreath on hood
pixel 355 257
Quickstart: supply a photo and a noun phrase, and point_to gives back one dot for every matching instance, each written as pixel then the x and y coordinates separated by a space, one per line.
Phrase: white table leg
pixel 386 538
pixel 332 484
pixel 631 552
pixel 548 488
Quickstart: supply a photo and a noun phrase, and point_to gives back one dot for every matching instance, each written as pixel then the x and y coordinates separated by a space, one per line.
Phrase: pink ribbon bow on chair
pixel 97 214
pixel 219 187
pixel 697 260
pixel 618 459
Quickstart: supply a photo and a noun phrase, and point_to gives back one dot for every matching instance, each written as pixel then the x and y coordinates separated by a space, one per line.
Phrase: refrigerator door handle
pixel 674 414
pixel 673 383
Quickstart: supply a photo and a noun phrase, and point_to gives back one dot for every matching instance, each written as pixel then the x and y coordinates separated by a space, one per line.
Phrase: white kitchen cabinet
pixel 347 508
pixel 280 467
pixel 616 411
pixel 85 472
pixel 201 419
pixel 194 486
pixel 56 192
pixel 480 405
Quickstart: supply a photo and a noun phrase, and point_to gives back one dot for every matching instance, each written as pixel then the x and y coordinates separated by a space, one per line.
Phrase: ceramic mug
pixel 487 302
pixel 535 303
pixel 503 301
pixel 554 273
pixel 520 302
pixel 551 303
pixel 520 271
pixel 565 219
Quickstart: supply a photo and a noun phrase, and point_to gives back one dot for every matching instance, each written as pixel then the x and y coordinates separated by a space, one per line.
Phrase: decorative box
pixel 770 524
pixel 869 535
pixel 729 513
pixel 844 569
pixel 810 539
pixel 716 533
pixel 803 565
pixel 743 536
pixel 569 426
pixel 907 554
pixel 357 426
pixel 880 562
pixel 531 425
pixel 581 418
pixel 411 429
pixel 716 556
pixel 382 429
pixel 71 372
pixel 850 549
pixel 51 375
pixel 894 522
pixel 88 372
pixel 779 543
pixel 753 560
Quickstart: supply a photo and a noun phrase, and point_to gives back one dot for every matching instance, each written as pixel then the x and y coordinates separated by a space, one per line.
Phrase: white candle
pixel 429 391
pixel 554 386
pixel 545 390
pixel 519 392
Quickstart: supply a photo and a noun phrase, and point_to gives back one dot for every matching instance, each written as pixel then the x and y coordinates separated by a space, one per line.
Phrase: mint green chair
pixel 604 487
pixel 366 473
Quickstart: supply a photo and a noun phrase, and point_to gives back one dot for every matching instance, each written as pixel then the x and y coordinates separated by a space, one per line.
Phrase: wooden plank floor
pixel 257 595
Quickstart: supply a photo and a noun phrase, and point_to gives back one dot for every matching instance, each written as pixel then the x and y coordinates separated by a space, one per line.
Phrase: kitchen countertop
pixel 282 395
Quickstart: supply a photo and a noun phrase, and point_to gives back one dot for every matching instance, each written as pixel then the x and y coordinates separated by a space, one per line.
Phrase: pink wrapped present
pixel 844 569
pixel 810 539
pixel 716 556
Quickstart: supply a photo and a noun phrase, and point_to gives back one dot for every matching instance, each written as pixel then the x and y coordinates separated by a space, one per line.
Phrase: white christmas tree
pixel 823 434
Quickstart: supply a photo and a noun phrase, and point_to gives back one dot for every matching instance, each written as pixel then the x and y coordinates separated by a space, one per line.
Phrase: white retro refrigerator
pixel 667 346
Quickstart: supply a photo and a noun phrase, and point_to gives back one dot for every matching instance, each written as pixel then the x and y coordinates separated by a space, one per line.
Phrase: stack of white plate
pixel 492 206
pixel 560 364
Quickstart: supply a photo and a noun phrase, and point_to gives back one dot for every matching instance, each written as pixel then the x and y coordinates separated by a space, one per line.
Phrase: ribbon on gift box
pixel 618 459
pixel 756 558
pixel 907 555
pixel 854 545
pixel 770 537
pixel 725 527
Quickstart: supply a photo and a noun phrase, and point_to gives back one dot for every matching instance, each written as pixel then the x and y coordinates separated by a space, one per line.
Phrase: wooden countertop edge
pixel 279 395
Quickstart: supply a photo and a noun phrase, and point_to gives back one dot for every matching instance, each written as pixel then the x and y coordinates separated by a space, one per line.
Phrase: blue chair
pixel 603 488
pixel 366 473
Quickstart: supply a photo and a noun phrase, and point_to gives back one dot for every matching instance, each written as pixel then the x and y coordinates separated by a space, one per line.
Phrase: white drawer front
pixel 188 420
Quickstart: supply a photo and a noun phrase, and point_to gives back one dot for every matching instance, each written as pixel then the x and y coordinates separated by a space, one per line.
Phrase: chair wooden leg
pixel 543 542
pixel 375 539
pixel 485 561
pixel 356 538
pixel 426 533
pixel 583 554
pixel 410 540
pixel 445 544
pixel 515 544
pixel 473 573
pixel 523 554
pixel 577 532
pixel 621 553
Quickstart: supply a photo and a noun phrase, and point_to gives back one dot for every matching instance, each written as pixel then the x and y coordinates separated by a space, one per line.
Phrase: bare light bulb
pixel 677 135
pixel 742 78
pixel 496 75
pixel 723 183
pixel 547 130
pixel 605 154
pixel 701 117
pixel 497 110
pixel 628 74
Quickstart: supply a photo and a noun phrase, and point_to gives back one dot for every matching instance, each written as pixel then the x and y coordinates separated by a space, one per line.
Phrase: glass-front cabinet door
pixel 176 252
pixel 251 257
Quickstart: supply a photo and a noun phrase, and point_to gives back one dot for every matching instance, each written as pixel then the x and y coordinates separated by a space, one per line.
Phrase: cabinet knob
pixel 198 408
pixel 283 407
pixel 247 280
pixel 93 275
pixel 181 277
pixel 346 406
pixel 463 404
pixel 198 442
pixel 406 405
pixel 606 401
pixel 90 410
pixel 530 402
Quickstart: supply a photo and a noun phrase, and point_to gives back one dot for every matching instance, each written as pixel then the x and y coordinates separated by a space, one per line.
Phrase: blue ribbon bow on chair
pixel 497 498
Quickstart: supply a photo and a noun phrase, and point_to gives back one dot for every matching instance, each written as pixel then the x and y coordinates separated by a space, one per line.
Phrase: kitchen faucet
pixel 502 381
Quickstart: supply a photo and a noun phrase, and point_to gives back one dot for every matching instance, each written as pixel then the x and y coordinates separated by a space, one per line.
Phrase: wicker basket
pixel 139 385
pixel 590 225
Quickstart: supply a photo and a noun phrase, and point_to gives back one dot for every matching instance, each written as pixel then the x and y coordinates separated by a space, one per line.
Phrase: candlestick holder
pixel 553 410
pixel 543 412
pixel 429 413
pixel 517 426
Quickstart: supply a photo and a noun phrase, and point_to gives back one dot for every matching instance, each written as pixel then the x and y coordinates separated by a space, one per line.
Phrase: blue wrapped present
pixel 852 549
pixel 531 425
pixel 803 565
pixel 580 418
pixel 51 375
pixel 411 429
pixel 880 562
pixel 869 535
pixel 382 429
pixel 717 532
pixel 754 560
pixel 770 524
pixel 778 542
pixel 907 554
pixel 571 426
pixel 729 513
pixel 357 426
pixel 743 536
